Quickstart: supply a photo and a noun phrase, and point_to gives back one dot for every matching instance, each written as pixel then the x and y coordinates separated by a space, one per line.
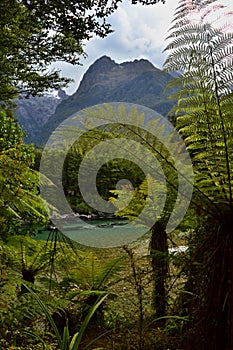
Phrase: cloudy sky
pixel 139 32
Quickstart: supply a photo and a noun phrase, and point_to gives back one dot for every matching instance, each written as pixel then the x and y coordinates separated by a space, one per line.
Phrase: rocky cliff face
pixel 107 81
pixel 34 112
pixel 105 73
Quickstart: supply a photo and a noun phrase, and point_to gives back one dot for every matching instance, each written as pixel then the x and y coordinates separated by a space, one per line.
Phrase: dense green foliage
pixel 20 202
pixel 108 175
pixel 34 34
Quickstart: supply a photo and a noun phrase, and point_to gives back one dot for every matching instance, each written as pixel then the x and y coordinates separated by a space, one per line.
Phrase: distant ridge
pixel 33 112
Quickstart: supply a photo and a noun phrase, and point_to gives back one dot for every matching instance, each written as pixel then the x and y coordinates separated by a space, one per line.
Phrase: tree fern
pixel 92 274
pixel 203 53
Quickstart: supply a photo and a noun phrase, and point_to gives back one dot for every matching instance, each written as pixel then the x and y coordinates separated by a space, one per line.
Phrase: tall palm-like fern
pixel 205 56
pixel 143 129
pixel 203 53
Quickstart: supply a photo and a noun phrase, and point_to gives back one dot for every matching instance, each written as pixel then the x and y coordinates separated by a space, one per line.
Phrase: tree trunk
pixel 159 258
pixel 211 308
pixel 28 276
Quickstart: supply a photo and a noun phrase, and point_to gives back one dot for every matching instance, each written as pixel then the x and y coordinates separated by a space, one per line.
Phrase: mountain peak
pixel 105 80
pixel 139 63
pixel 107 72
pixel 137 66
pixel 102 64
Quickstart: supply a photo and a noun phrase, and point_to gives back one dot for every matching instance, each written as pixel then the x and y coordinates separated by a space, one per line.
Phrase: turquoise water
pixel 97 233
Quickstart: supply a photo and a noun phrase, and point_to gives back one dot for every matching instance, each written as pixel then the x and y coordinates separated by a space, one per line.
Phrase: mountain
pixel 34 112
pixel 107 81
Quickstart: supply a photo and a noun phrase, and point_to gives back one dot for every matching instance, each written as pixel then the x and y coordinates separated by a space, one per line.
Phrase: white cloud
pixel 139 32
pixel 139 29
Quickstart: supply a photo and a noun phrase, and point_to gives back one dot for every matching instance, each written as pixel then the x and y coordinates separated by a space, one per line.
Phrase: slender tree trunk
pixel 159 258
pixel 137 277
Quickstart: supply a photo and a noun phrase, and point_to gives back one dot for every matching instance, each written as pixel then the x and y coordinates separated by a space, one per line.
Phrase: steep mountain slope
pixel 32 113
pixel 106 81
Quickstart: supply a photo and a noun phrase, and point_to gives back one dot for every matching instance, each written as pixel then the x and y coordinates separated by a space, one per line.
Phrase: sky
pixel 139 32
